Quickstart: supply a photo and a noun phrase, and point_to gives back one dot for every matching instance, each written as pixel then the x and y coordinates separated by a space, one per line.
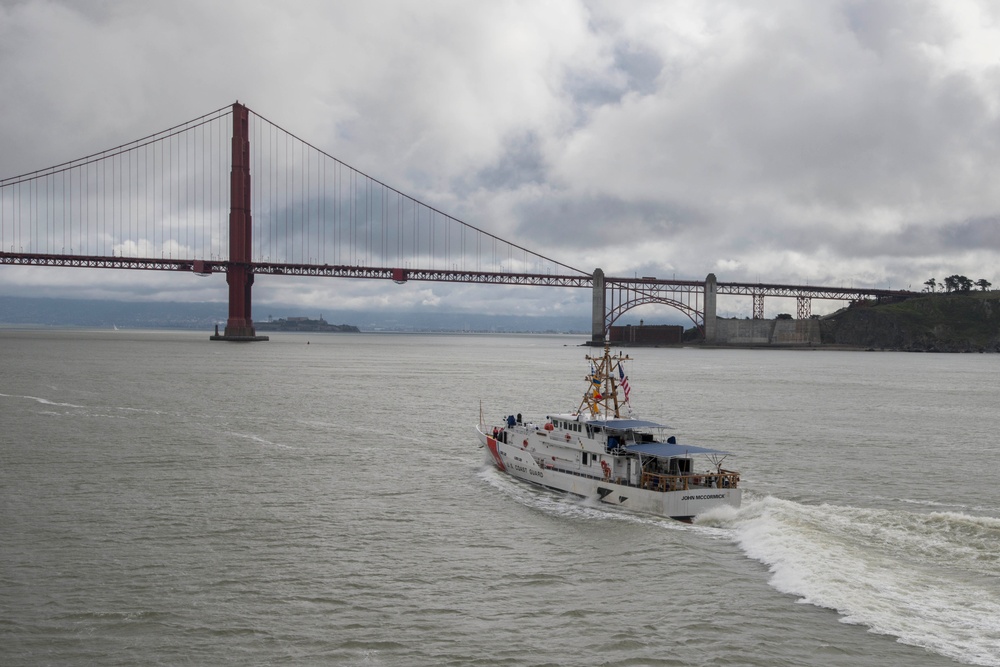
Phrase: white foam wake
pixel 932 580
pixel 43 401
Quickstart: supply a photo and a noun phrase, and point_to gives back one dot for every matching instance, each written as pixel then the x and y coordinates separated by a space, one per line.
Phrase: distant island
pixel 304 324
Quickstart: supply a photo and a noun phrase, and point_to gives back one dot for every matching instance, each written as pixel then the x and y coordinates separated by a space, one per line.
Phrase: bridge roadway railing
pixel 811 291
pixel 804 294
pixel 430 275
pixel 98 262
pixel 205 266
pixel 651 289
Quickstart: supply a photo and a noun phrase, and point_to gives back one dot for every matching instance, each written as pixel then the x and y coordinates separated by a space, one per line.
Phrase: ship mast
pixel 601 394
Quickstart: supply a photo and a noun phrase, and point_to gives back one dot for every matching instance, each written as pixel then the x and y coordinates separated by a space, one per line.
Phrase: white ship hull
pixel 549 465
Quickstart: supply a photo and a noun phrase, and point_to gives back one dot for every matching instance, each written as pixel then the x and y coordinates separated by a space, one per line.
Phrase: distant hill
pixel 102 314
pixel 32 311
pixel 942 322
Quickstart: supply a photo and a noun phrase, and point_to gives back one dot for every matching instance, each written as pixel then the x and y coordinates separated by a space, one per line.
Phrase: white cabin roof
pixel 668 450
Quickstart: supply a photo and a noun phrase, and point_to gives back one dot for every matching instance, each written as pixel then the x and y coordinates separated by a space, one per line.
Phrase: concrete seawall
pixel 766 332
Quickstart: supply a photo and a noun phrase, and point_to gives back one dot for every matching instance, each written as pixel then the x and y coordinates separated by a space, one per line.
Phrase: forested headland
pixel 955 321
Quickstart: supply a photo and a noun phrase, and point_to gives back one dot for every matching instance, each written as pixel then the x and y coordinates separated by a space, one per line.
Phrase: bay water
pixel 322 500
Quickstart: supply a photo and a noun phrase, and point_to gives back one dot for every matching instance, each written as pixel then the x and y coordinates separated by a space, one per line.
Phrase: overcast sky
pixel 829 142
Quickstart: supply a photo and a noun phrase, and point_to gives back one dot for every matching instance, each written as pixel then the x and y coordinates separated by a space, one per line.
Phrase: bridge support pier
pixel 597 332
pixel 711 290
pixel 239 276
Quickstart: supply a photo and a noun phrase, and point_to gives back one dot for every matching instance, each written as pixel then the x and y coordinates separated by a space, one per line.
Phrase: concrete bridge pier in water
pixel 711 325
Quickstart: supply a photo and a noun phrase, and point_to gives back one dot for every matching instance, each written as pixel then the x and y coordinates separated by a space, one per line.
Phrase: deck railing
pixel 724 479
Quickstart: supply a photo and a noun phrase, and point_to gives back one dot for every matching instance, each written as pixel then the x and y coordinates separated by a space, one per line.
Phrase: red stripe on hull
pixel 491 443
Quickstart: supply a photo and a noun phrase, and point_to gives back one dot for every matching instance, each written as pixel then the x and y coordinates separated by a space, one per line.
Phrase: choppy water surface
pixel 167 500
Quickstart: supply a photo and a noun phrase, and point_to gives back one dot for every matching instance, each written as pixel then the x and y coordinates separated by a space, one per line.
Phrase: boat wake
pixel 97 410
pixel 258 440
pixel 43 401
pixel 931 580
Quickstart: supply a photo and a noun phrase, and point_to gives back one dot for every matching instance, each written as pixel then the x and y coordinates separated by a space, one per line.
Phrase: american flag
pixel 624 381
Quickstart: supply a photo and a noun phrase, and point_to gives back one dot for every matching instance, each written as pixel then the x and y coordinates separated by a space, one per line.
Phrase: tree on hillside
pixel 931 285
pixel 983 284
pixel 957 283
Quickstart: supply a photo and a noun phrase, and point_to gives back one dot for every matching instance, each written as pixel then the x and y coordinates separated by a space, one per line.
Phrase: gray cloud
pixel 836 140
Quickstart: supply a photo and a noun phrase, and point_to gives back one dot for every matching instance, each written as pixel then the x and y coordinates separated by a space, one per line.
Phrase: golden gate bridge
pixel 232 192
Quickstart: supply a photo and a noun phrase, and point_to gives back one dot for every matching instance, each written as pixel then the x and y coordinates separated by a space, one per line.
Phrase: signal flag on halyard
pixel 624 381
pixel 594 380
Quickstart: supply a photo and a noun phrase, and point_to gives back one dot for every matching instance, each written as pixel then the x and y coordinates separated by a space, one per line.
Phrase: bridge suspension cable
pixel 163 196
pixel 312 209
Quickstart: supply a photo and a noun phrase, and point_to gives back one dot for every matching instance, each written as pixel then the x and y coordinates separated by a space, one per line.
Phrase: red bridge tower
pixel 239 274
